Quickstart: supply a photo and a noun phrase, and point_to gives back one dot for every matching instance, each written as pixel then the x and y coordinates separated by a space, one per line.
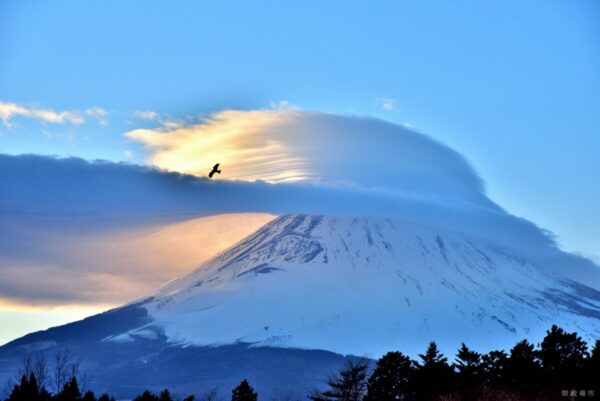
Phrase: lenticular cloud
pixel 290 145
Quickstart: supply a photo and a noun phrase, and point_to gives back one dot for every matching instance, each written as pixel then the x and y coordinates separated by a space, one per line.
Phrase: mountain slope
pixel 284 305
pixel 365 286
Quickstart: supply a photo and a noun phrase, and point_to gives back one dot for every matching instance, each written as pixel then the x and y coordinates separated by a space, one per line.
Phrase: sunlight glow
pixel 233 138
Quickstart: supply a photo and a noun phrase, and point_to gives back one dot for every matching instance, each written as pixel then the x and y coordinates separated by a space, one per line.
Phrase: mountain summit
pixel 364 286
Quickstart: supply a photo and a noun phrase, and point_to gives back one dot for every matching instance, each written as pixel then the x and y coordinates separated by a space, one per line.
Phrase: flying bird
pixel 215 169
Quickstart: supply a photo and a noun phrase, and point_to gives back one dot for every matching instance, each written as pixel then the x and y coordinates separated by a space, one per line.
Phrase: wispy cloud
pixel 10 111
pixel 96 112
pixel 99 113
pixel 283 105
pixel 387 104
pixel 172 124
pixel 147 115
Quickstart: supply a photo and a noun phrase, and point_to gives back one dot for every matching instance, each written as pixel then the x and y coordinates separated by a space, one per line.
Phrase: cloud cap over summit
pixel 307 146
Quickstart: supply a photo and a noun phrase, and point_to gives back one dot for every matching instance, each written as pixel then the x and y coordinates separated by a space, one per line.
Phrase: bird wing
pixel 216 166
pixel 211 174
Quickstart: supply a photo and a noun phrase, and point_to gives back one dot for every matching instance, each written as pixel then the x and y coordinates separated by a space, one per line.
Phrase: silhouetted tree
pixel 88 396
pixel 35 363
pixel 349 385
pixel 70 391
pixel 106 397
pixel 433 376
pixel 562 356
pixel 470 375
pixel 494 365
pixel 165 395
pixel 146 396
pixel 28 386
pixel 524 369
pixel 390 381
pixel 592 369
pixel 27 390
pixel 244 392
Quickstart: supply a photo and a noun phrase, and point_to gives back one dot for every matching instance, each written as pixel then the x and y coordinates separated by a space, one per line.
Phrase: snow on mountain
pixel 365 286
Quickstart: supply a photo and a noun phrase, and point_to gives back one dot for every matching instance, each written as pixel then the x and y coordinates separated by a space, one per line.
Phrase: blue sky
pixel 512 85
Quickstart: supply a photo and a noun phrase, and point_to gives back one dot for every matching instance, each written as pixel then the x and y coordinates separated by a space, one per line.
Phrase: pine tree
pixel 349 385
pixel 26 390
pixel 469 367
pixel 524 369
pixel 592 367
pixel 390 380
pixel 70 391
pixel 165 395
pixel 494 366
pixel 562 355
pixel 244 392
pixel 33 390
pixel 433 376
pixel 106 397
pixel 88 396
pixel 146 396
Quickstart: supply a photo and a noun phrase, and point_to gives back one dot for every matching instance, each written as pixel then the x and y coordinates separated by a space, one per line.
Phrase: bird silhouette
pixel 215 169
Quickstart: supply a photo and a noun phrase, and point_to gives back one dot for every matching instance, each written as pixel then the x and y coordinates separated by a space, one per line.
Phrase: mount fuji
pixel 289 303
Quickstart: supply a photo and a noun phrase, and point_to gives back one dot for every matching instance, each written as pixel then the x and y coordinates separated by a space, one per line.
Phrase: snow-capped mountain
pixel 283 306
pixel 365 286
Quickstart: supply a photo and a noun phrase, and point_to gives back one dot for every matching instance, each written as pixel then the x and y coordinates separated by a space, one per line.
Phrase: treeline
pixel 561 367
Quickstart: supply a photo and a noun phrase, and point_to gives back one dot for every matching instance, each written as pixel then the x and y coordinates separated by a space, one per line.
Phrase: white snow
pixel 365 286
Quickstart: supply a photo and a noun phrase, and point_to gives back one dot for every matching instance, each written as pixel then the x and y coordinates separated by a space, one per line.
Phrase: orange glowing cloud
pixel 107 263
pixel 246 143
